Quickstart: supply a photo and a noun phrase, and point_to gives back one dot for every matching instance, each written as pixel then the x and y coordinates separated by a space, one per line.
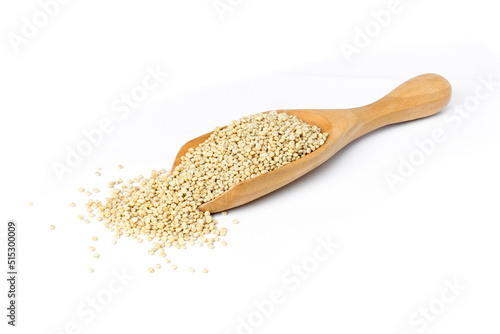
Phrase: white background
pixel 398 247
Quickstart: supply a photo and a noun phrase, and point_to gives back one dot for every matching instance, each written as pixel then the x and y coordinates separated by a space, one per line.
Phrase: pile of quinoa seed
pixel 164 208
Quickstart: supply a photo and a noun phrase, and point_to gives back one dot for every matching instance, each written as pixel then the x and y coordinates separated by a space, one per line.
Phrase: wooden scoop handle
pixel 422 96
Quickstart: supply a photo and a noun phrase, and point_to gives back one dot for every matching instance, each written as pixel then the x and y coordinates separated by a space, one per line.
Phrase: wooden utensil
pixel 422 96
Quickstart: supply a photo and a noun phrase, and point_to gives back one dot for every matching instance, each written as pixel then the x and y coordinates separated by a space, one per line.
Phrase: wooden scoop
pixel 419 97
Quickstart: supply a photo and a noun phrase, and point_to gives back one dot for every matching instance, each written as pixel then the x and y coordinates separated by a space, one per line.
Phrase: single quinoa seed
pixel 157 266
pixel 72 205
pixel 92 249
pixel 81 189
pixel 174 267
pixel 191 269
pixel 91 270
pixel 224 213
pixel 151 270
pixel 205 271
pixel 52 227
pixel 235 221
pixel 30 204
pixel 96 255
pixel 120 166
pixel 94 238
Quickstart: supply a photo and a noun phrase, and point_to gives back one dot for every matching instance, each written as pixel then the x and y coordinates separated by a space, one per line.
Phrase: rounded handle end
pixel 421 96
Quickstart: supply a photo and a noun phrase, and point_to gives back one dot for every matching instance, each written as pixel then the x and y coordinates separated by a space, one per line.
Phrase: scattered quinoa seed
pixel 81 190
pixel 174 267
pixel 191 269
pixel 96 255
pixel 91 270
pixel 205 271
pixel 91 248
pixel 94 238
pixel 224 213
pixel 157 266
pixel 235 221
pixel 72 205
pixel 30 204
pixel 52 227
pixel 97 173
pixel 151 270
pixel 120 166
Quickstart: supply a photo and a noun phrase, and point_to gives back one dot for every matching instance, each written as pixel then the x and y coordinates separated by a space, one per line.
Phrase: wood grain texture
pixel 419 97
